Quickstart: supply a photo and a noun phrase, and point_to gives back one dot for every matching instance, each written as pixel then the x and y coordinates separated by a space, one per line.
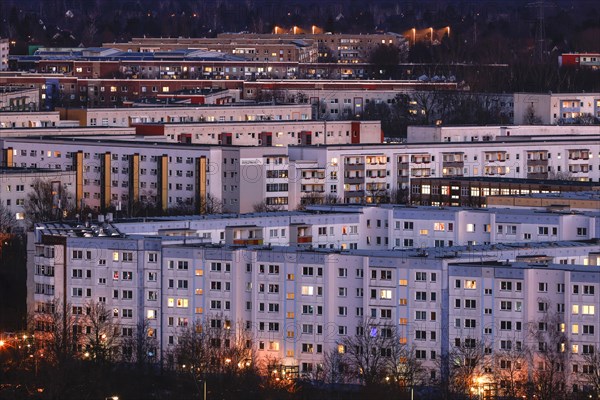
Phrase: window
pixel 470 323
pixel 421 296
pixel 307 290
pixel 421 276
pixel 470 284
pixel 342 272
pixel 542 287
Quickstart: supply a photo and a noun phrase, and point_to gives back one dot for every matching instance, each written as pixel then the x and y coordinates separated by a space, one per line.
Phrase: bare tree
pixel 404 367
pixel 531 117
pixel 221 351
pixel 334 369
pixel 212 205
pixel 101 338
pixel 264 207
pixel 467 362
pixel 48 200
pixel 551 360
pixel 7 220
pixel 591 369
pixel 367 352
pixel 140 346
pixel 58 333
pixel 511 370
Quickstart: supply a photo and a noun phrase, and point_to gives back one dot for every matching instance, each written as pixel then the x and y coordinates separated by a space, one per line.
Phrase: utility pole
pixel 540 32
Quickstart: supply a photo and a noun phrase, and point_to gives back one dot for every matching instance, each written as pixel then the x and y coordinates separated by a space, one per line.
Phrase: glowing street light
pixel 295 29
pixel 431 32
pixel 276 27
pixel 448 31
pixel 414 32
pixel 313 29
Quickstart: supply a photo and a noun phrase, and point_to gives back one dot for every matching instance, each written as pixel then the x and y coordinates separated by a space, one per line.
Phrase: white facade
pixel 272 133
pixel 383 227
pixel 4 50
pixel 299 304
pixel 351 173
pixel 555 108
pixel 29 119
pixel 421 134
pixel 123 117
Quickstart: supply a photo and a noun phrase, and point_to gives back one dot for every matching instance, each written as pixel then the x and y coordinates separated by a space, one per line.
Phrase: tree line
pixel 74 352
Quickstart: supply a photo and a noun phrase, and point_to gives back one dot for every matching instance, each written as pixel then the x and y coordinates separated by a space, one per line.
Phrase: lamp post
pixel 414 33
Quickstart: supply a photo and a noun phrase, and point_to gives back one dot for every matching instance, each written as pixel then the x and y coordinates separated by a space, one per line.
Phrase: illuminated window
pixel 170 302
pixel 588 310
pixel 470 284
pixel 182 303
pixel 165 89
pixel 403 282
pixel 307 290
pixel 575 309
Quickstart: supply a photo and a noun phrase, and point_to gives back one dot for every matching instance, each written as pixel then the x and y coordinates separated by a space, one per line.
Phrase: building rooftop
pixel 524 181
pixel 30 171
pixel 109 54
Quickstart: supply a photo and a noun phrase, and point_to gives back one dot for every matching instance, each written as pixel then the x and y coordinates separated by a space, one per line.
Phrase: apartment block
pixel 19 97
pixel 350 173
pixel 124 117
pixel 380 227
pixel 299 304
pixel 267 133
pixel 337 47
pixel 29 119
pixel 420 134
pixel 252 49
pixel 556 108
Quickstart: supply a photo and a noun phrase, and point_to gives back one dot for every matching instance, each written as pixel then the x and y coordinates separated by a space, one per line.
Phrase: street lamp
pixel 414 32
pixel 112 398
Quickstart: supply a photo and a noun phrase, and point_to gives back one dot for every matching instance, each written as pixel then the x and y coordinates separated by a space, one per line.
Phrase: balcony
pixel 354 167
pixel 453 164
pixel 304 239
pixel 354 180
pixel 537 175
pixel 537 162
pixel 248 242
